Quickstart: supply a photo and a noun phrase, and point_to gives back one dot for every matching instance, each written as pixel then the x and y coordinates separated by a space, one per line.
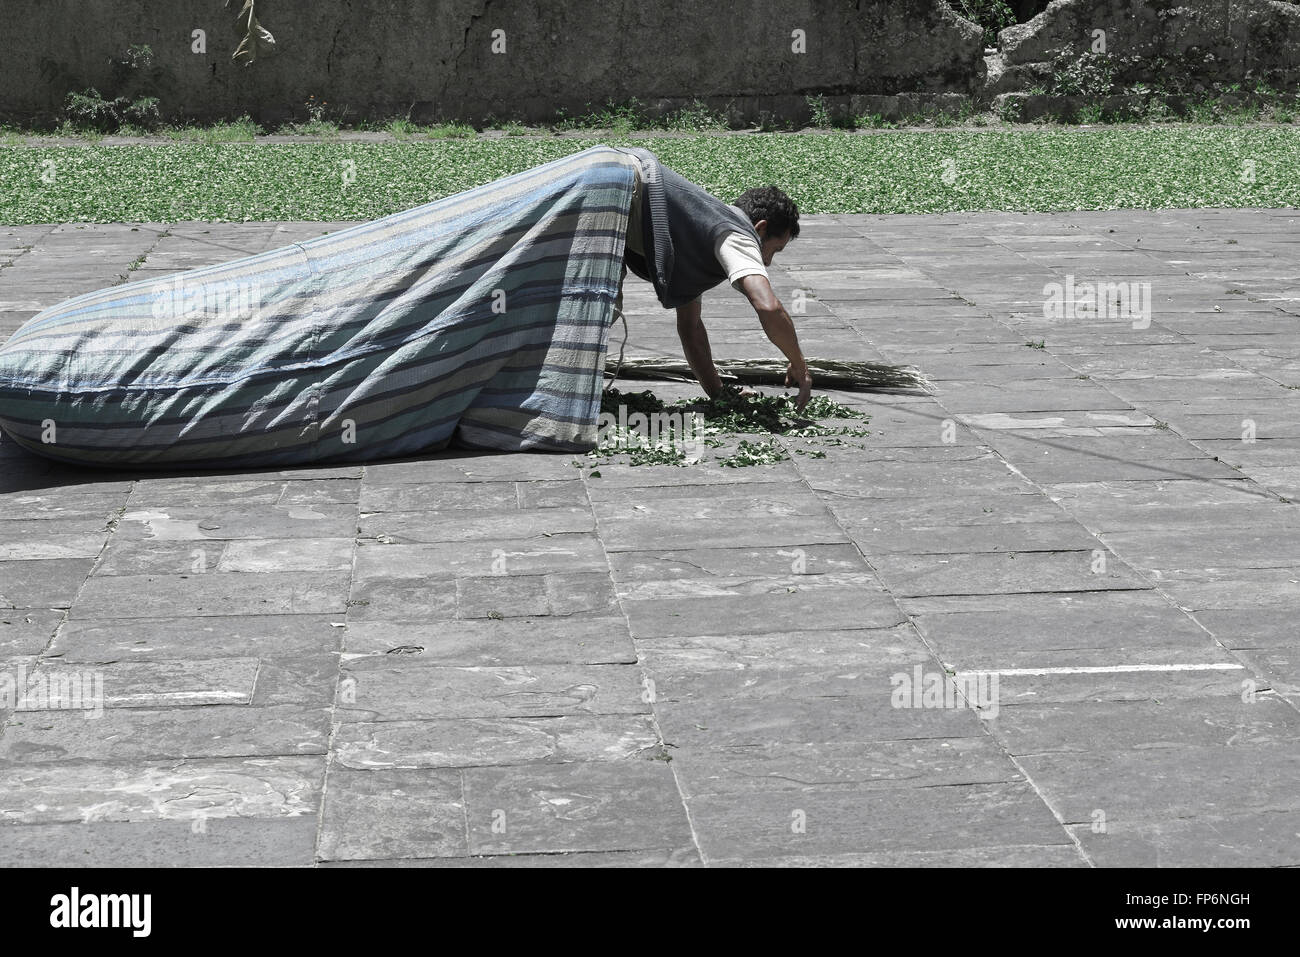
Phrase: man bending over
pixel 685 241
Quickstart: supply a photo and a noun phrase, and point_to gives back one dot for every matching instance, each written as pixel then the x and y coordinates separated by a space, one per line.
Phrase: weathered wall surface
pixel 1177 43
pixel 381 58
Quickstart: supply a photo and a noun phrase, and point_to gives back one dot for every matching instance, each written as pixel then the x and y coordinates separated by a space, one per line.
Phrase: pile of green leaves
pixel 726 420
pixel 626 442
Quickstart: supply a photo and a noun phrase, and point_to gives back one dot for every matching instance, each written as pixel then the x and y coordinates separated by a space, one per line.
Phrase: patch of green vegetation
pixel 450 131
pixel 1088 74
pixel 402 128
pixel 242 130
pixel 130 105
pixel 991 16
pixel 620 118
pixel 696 118
pixel 316 125
pixel 66 130
pixel 1009 110
pixel 1089 113
pixel 820 113
pixel 874 121
pixel 888 172
pixel 323 129
pixel 822 117
pixel 1157 111
pixel 631 116
pixel 88 110
pixel 1208 111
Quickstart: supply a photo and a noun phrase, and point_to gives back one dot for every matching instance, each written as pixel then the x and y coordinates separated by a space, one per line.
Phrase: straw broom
pixel 826 373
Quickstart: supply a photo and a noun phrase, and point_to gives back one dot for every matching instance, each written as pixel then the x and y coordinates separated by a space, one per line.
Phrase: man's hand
pixel 801 379
pixel 731 390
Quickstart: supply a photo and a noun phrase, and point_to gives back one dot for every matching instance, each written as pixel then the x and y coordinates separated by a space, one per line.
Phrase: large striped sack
pixel 480 319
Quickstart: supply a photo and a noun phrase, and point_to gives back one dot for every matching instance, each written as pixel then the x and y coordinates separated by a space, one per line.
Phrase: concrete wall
pixel 1171 43
pixel 381 58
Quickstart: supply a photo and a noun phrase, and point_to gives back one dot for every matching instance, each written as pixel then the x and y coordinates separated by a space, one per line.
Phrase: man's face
pixel 771 244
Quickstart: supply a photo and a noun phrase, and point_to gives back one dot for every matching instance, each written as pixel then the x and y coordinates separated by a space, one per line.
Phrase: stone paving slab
pixel 307 682
pixel 42 583
pixel 151 684
pixel 1128 683
pixel 27 631
pixel 393 813
pixel 1051 855
pixel 200 842
pixel 576 552
pixel 250 520
pixel 51 538
pixel 1227 721
pixel 91 792
pixel 484 742
pixel 813 821
pixel 141 734
pixel 569 639
pixel 1087 629
pixel 984 573
pixel 212 593
pixel 804 559
pixel 781 607
pixel 210 637
pixel 670 857
pixel 583 806
pixel 698 723
pixel 496 596
pixel 1234 840
pixel 504 660
pixel 467 525
pixel 1151 786
pixel 936 762
pixel 408 690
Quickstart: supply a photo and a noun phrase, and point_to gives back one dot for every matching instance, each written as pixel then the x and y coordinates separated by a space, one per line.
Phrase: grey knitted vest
pixel 681 226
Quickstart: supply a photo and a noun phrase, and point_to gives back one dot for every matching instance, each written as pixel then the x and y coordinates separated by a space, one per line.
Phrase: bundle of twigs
pixel 826 373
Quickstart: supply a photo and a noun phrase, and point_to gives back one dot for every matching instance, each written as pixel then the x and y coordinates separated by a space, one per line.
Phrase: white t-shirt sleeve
pixel 740 256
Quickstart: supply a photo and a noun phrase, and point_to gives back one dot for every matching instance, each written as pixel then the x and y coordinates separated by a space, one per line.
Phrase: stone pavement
pixel 1088 528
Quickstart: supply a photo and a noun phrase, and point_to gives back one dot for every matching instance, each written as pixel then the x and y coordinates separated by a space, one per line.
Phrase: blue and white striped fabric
pixel 481 318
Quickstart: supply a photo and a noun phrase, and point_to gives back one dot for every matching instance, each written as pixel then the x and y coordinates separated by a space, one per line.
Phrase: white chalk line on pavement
pixel 1107 669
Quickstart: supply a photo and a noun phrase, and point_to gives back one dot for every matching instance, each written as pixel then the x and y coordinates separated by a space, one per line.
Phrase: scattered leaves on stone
pixel 725 420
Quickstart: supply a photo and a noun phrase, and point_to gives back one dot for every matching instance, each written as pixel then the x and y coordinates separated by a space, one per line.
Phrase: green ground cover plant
pixel 1158 167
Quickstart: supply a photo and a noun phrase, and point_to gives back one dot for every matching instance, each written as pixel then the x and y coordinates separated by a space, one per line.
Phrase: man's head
pixel 774 215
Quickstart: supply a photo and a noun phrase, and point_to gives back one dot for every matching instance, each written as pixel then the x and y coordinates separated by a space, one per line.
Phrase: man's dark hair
pixel 768 202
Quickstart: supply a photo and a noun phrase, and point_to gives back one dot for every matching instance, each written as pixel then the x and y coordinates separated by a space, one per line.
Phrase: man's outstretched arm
pixel 695 344
pixel 780 329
